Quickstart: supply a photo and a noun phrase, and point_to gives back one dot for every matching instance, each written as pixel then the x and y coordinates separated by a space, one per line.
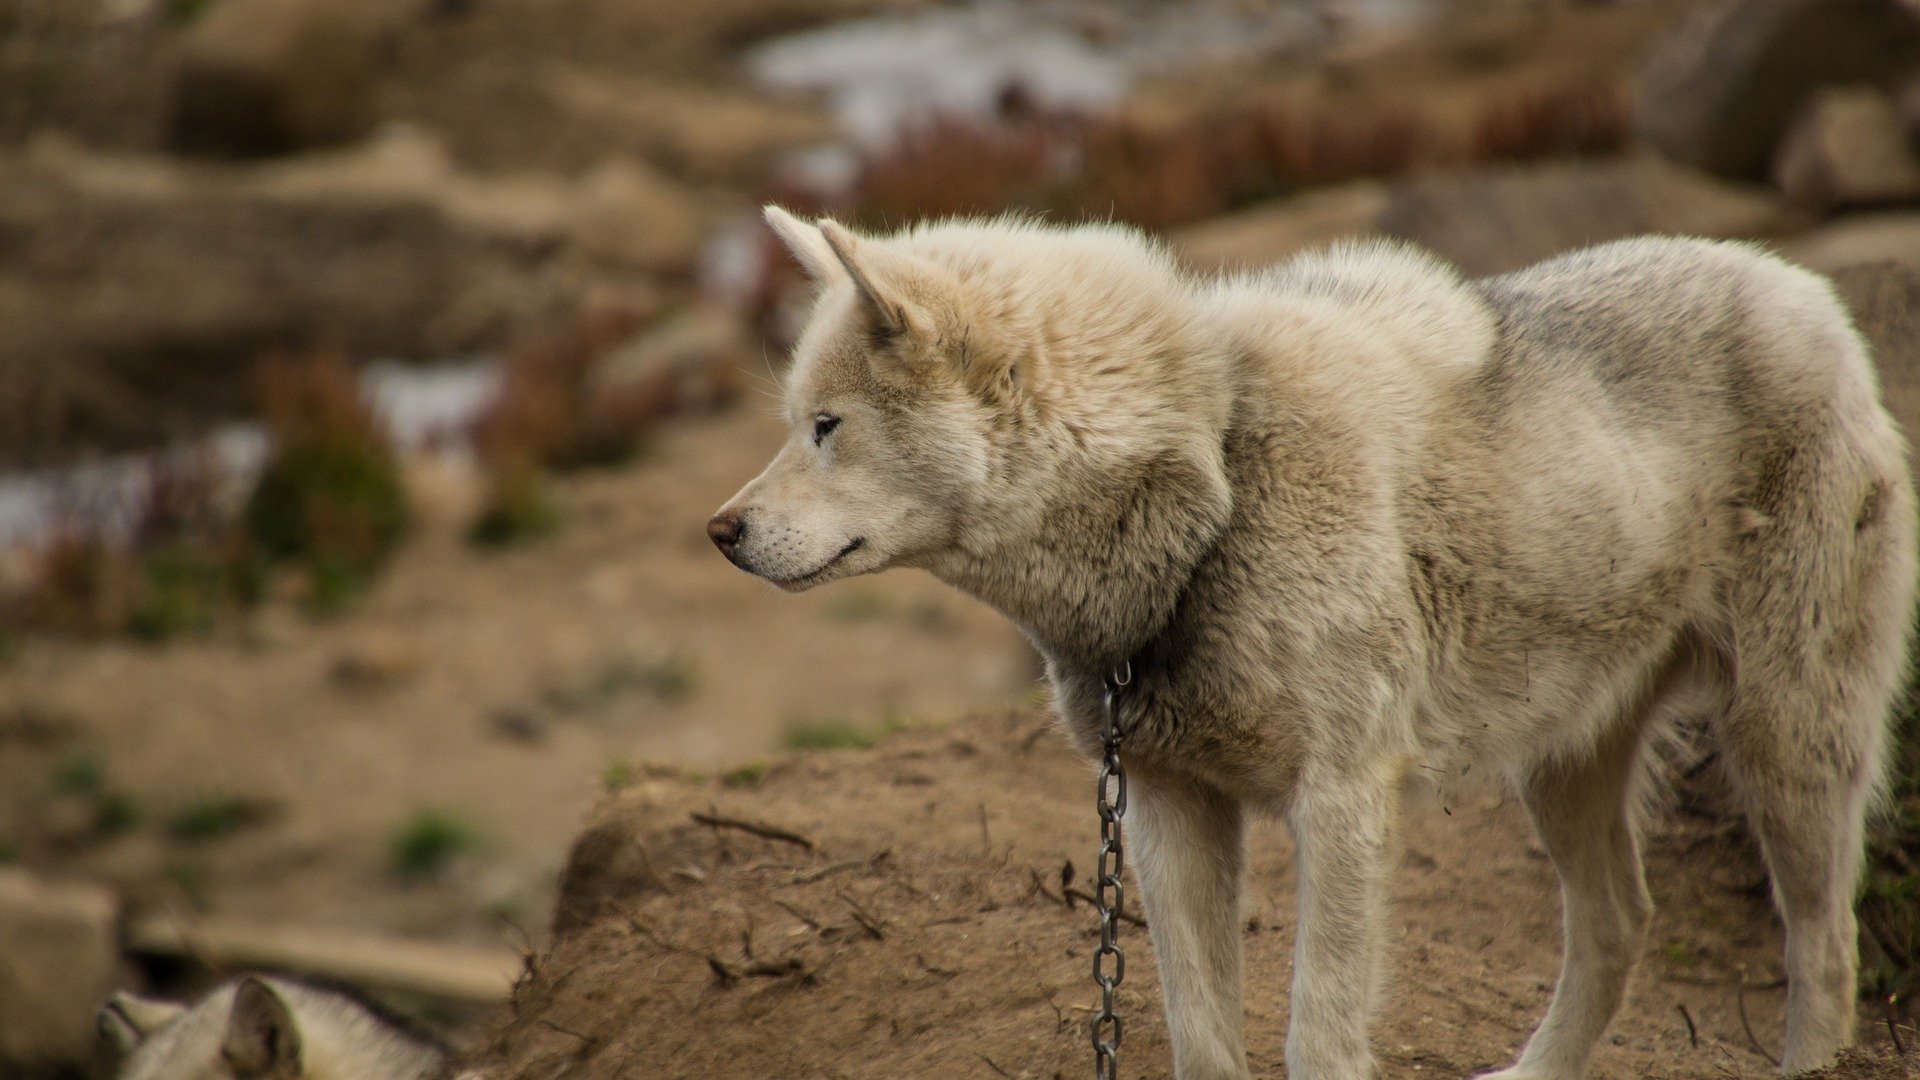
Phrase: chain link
pixel 1109 892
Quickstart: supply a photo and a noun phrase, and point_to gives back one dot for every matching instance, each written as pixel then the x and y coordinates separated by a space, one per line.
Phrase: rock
pixel 608 863
pixel 628 212
pixel 375 662
pixel 1719 93
pixel 520 725
pixel 693 363
pixel 1500 219
pixel 59 960
pixel 1885 301
pixel 141 290
pixel 1849 147
pixel 1274 230
pixel 1859 238
pixel 262 77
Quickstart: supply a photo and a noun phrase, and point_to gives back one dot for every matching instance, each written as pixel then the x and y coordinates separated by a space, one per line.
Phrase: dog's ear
pixel 899 292
pixel 810 248
pixel 262 1039
pixel 127 1020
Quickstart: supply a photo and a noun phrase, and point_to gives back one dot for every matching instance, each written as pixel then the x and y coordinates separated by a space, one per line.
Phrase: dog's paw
pixel 1514 1073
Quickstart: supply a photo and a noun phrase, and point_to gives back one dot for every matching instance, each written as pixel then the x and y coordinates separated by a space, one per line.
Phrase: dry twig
pixel 766 832
pixel 1040 887
pixel 867 922
pixel 1122 915
pixel 1740 1001
pixel 811 922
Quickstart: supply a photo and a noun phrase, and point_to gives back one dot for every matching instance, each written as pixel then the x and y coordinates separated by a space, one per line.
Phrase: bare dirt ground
pixel 925 933
pixel 497 687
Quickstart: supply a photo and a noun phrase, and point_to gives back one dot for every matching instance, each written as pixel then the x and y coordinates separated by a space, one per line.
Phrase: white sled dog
pixel 268 1028
pixel 1356 515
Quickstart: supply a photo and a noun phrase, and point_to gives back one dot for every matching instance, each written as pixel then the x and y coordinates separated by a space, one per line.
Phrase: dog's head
pixel 258 1028
pixel 889 420
pixel 246 1030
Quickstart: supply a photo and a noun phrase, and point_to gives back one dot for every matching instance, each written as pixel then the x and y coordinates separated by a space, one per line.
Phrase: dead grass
pixel 546 413
pixel 1160 174
pixel 174 570
pixel 547 417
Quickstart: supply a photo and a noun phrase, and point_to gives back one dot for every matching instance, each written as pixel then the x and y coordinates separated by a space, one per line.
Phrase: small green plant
pixel 839 734
pixel 617 776
pixel 828 735
pixel 330 496
pixel 668 680
pixel 744 775
pixel 427 843
pixel 211 817
pixel 183 595
pixel 332 587
pixel 182 12
pixel 114 812
pixel 1680 954
pixel 82 773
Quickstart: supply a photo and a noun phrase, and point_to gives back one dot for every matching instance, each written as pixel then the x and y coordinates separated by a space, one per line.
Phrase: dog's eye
pixel 823 426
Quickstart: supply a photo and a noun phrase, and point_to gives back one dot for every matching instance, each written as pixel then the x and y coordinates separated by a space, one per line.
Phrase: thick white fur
pixel 1355 516
pixel 330 1037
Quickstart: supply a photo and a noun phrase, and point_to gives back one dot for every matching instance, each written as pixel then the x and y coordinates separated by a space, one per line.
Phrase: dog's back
pixel 265 1027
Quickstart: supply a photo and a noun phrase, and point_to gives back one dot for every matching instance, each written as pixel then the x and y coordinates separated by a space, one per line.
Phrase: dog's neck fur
pixel 1107 600
pixel 1094 577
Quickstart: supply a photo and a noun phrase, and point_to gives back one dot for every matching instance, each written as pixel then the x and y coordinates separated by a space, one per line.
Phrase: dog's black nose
pixel 725 530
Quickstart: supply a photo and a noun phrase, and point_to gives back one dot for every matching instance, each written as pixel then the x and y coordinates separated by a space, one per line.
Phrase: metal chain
pixel 1109 894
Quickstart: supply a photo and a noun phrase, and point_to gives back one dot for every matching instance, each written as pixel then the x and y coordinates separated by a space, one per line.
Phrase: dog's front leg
pixel 1187 854
pixel 1343 829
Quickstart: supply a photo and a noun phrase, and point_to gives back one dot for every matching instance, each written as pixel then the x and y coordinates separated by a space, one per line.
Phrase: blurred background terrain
pixel 371 366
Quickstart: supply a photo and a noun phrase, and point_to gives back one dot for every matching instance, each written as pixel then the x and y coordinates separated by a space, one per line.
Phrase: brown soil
pixel 925 933
pixel 497 686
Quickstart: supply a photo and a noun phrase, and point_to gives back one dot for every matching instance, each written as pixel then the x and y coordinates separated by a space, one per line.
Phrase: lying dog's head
pixel 888 417
pixel 263 1028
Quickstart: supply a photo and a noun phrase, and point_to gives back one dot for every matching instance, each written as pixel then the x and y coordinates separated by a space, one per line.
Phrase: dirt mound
pixel 900 912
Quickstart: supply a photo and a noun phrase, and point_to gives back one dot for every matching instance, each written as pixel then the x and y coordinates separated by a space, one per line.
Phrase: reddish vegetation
pixel 1163 175
pixel 331 490
pixel 546 414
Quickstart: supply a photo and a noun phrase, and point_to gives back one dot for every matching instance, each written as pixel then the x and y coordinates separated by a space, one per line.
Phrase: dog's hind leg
pixel 1820 627
pixel 1803 754
pixel 1344 829
pixel 1583 810
pixel 1187 848
pixel 1811 837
